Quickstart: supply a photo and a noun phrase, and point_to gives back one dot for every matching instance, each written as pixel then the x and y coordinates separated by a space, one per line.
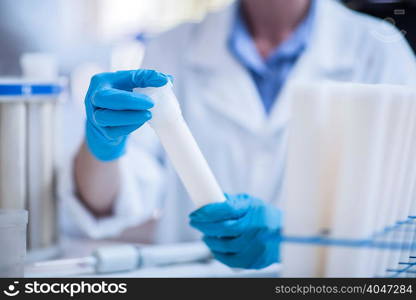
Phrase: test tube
pixel 181 147
pixel 407 177
pixel 41 149
pixel 355 200
pixel 313 159
pixel 375 127
pixel 382 201
pixel 408 231
pixel 13 224
pixel 399 113
pixel 41 202
pixel 12 153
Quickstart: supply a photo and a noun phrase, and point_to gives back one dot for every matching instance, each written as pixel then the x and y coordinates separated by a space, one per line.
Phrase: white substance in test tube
pixel 181 147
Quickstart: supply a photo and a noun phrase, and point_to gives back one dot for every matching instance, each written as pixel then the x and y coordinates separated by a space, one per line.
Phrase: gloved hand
pixel 113 110
pixel 242 232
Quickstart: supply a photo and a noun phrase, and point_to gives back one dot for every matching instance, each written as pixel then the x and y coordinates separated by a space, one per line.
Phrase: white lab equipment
pixel 181 147
pixel 42 154
pixel 12 147
pixel 312 172
pixel 405 182
pixel 13 224
pixel 353 190
pixel 393 175
pixel 363 115
pixel 27 153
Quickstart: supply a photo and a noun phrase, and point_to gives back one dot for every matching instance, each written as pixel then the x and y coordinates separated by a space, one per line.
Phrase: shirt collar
pixel 244 49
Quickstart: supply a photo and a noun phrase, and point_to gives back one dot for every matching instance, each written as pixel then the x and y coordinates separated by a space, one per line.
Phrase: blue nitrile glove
pixel 113 110
pixel 242 232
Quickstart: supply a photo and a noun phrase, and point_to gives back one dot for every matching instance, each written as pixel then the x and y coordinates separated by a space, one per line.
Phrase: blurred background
pixel 108 33
pixel 93 31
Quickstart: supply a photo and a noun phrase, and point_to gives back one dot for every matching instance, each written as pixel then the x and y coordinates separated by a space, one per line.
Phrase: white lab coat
pixel 245 148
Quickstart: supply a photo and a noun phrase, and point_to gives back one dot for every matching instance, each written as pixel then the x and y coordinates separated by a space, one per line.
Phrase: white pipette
pixel 181 147
pixel 121 258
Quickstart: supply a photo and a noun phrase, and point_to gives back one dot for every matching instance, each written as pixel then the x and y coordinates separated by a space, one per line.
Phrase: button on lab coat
pixel 245 148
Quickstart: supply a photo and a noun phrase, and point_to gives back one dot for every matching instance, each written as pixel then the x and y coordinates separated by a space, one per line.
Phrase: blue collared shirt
pixel 271 73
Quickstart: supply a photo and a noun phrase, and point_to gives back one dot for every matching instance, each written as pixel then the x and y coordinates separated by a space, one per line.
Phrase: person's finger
pixel 119 131
pixel 149 78
pixel 108 117
pixel 227 228
pixel 121 100
pixel 215 212
pixel 127 80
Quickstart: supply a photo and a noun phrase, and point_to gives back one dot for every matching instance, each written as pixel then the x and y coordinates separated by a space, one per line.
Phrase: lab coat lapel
pixel 229 87
pixel 225 85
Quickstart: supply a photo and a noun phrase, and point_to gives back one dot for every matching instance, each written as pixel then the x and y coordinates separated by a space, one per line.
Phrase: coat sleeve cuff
pixel 130 208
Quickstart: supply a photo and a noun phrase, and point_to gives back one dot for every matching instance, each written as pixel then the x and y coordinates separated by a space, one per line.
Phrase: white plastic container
pixel 28 110
pixel 13 224
pixel 355 204
pixel 181 147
